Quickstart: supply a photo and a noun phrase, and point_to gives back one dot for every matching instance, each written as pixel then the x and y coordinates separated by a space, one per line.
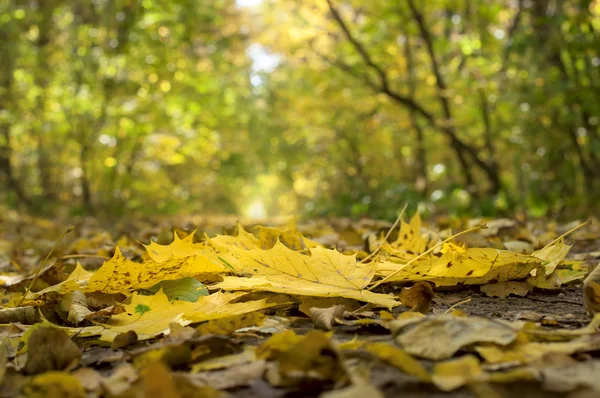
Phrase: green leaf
pixel 141 309
pixel 184 289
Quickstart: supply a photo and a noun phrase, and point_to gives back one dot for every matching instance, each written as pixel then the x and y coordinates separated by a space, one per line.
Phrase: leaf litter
pixel 311 309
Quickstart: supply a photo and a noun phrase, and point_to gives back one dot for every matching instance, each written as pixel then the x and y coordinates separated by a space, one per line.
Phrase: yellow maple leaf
pixel 75 281
pixel 292 238
pixel 178 249
pixel 409 236
pixel 324 273
pixel 119 275
pixel 473 266
pixel 151 315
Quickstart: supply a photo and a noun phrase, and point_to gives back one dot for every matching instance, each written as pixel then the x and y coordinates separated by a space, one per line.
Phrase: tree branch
pixel 383 86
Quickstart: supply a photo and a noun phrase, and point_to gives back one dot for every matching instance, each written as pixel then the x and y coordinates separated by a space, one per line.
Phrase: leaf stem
pixel 466 231
pixel 374 252
pixel 567 233
pixel 84 256
pixel 465 301
pixel 37 272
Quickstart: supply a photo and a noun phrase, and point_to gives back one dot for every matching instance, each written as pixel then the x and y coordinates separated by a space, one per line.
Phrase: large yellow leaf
pixel 120 275
pixel 550 256
pixel 178 249
pixel 151 315
pixel 473 266
pixel 290 237
pixel 325 273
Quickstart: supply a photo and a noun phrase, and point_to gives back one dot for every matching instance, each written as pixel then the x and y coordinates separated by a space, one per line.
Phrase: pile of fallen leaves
pixel 330 308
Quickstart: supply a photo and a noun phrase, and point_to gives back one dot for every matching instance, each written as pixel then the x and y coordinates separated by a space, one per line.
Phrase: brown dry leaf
pixel 306 303
pixel 313 360
pixel 504 289
pixel 323 318
pixel 418 297
pixel 90 379
pixel 50 348
pixel 120 380
pixel 75 306
pixel 125 339
pixel 3 362
pixel 237 376
pixel 591 292
pixel 574 376
pixel 440 337
pixel 226 361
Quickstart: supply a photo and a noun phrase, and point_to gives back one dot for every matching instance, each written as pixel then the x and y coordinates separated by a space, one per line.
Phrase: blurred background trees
pixel 265 107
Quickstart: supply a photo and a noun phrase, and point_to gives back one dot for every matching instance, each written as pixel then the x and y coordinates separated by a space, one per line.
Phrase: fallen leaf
pixel 455 373
pixel 24 315
pixel 271 325
pixel 323 318
pixel 361 389
pixel 472 267
pixel 226 361
pixel 572 377
pixel 119 275
pixel 184 289
pixel 156 382
pixel 591 292
pixel 277 344
pixel 325 273
pixel 440 337
pixel 236 376
pixel 152 315
pixel 228 325
pixel 399 359
pixel 125 339
pixel 291 238
pixel 120 380
pixel 418 297
pixel 312 360
pixel 306 303
pixel 48 349
pixel 504 289
pixel 74 305
pixel 524 353
pixel 409 237
pixel 54 384
pixel 90 379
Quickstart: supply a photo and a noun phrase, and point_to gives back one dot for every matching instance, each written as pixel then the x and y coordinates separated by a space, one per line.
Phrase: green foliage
pixel 328 107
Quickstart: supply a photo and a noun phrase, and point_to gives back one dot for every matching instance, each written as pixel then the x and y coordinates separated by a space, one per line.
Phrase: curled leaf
pixel 418 297
pixel 323 318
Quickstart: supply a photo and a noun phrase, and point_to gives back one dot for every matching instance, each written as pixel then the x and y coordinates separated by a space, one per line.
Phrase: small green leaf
pixel 184 289
pixel 141 309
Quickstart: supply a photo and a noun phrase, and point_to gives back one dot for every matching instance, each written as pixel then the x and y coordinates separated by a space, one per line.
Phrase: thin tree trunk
pixel 421 180
pixel 461 149
pixel 6 165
